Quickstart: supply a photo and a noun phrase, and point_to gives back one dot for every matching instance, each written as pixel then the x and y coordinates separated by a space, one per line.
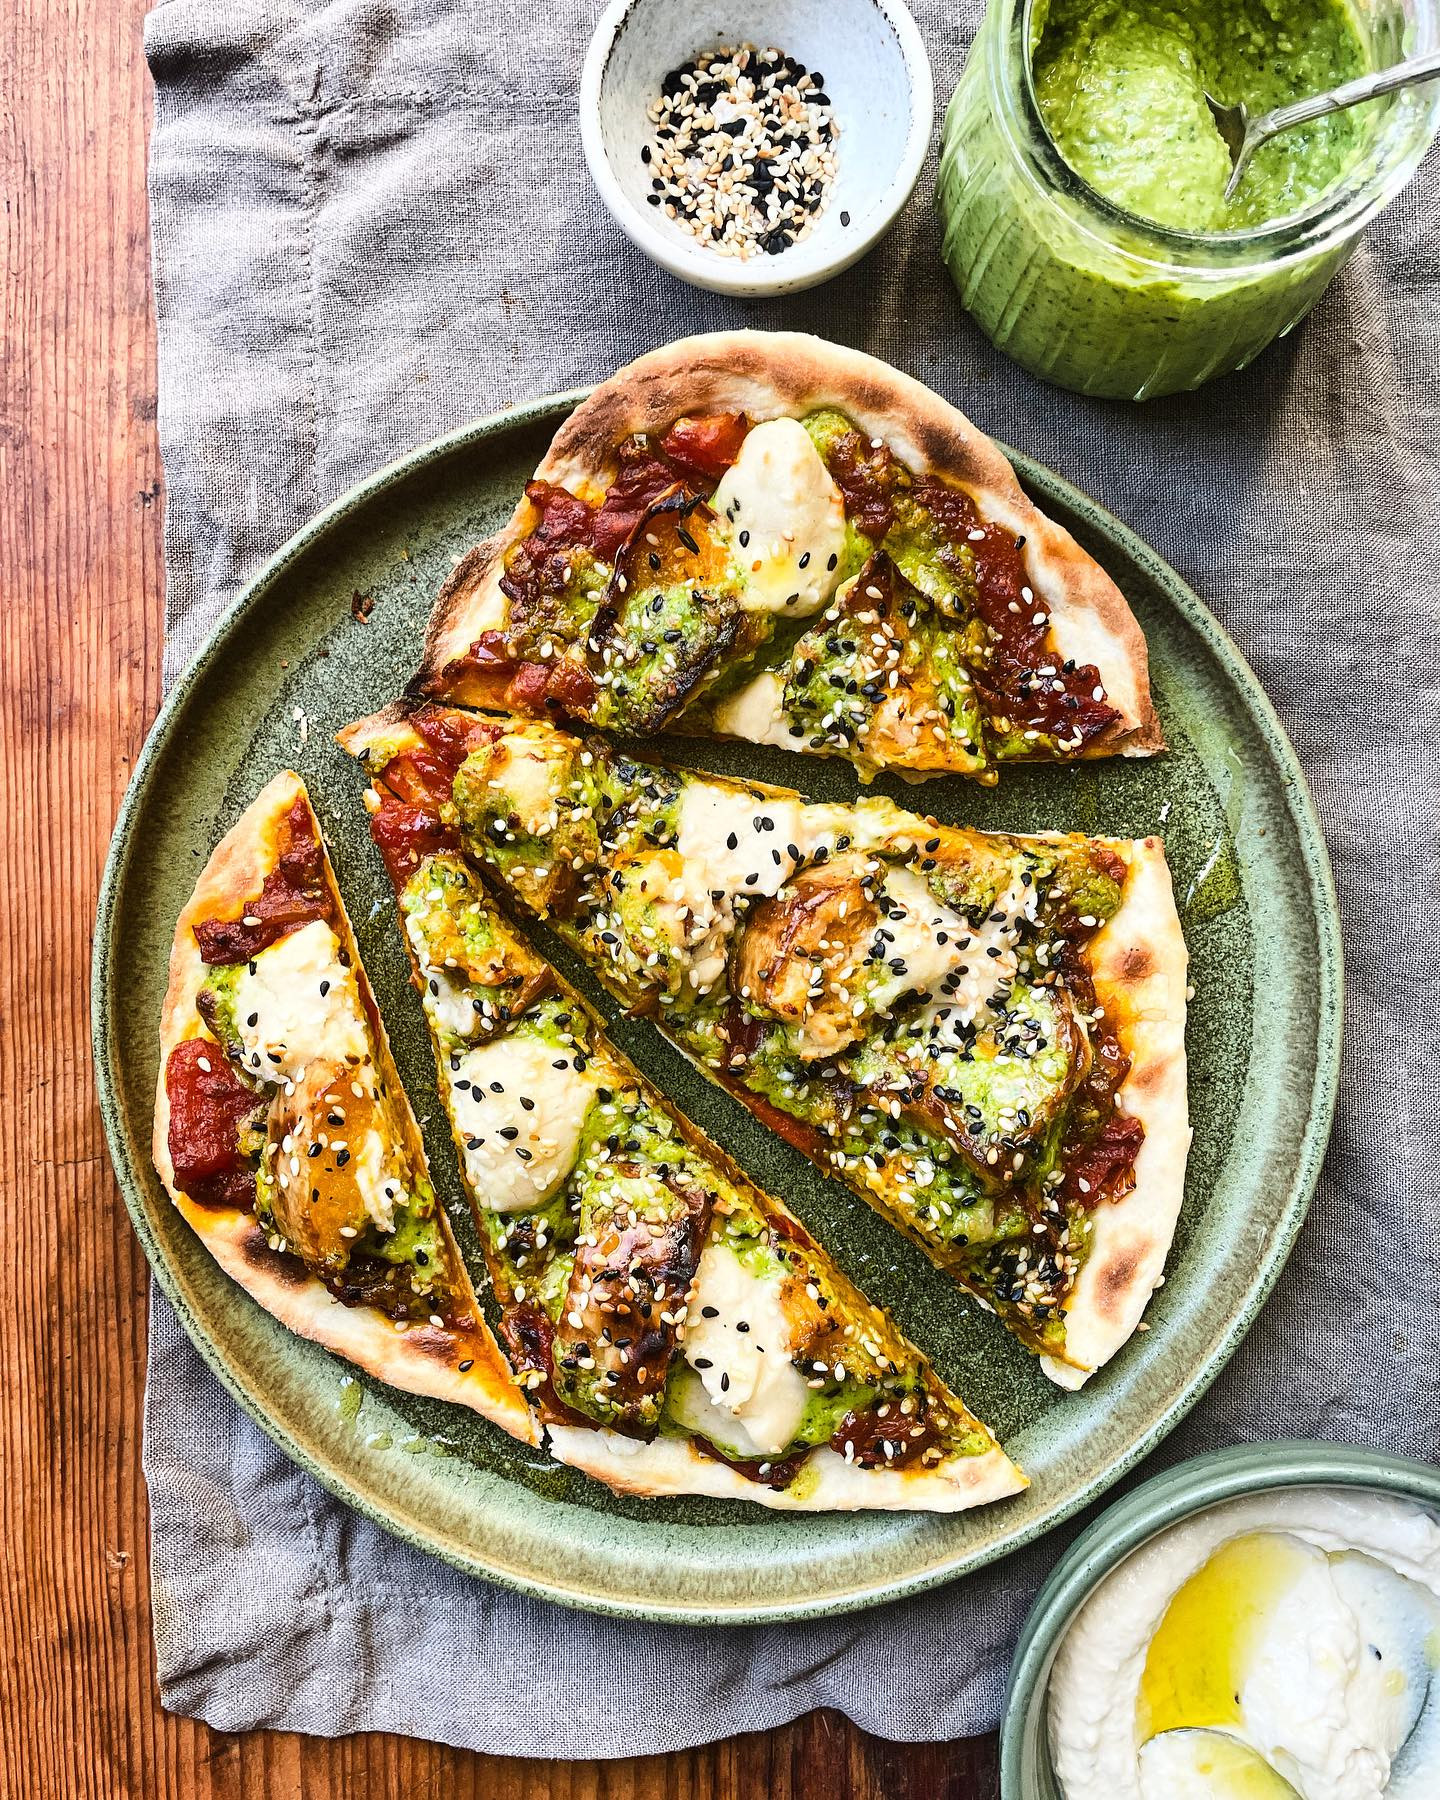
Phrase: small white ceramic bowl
pixel 877 76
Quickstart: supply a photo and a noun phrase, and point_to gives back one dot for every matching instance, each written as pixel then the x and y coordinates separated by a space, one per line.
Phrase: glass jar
pixel 1101 301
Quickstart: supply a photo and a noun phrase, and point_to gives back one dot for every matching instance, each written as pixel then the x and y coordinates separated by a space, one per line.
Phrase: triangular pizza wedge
pixel 981 1034
pixel 677 1330
pixel 282 1132
pixel 765 536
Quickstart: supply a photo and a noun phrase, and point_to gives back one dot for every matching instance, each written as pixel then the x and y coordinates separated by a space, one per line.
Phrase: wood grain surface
pixel 81 586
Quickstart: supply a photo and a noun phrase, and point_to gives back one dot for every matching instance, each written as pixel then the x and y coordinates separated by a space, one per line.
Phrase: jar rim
pixel 1407 129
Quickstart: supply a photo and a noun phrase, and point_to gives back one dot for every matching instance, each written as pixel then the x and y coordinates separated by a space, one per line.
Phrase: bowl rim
pixel 721 274
pixel 1165 1500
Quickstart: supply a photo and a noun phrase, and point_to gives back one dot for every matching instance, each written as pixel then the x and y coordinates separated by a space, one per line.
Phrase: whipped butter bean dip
pixel 1285 1647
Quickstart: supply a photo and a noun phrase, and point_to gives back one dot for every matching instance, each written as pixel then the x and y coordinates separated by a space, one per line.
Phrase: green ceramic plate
pixel 291 663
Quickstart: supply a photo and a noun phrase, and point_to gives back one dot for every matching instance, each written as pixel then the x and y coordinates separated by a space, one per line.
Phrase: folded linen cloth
pixel 372 222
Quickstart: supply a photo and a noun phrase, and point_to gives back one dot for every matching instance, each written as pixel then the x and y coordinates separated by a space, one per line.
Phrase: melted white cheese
pixel 732 845
pixel 508 1174
pixel 528 767
pixel 711 816
pixel 928 938
pixel 301 1005
pixel 985 971
pixel 784 519
pixel 447 994
pixel 756 713
pixel 742 1352
pixel 377 1179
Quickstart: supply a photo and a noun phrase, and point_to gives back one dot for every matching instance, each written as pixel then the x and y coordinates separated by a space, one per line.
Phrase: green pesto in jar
pixel 1121 87
pixel 1138 280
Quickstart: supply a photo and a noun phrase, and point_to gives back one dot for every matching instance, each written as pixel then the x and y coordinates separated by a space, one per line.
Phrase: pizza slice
pixel 677 1331
pixel 282 1132
pixel 764 536
pixel 981 1034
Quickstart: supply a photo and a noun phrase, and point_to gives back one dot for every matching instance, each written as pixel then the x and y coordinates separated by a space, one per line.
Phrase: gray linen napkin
pixel 372 222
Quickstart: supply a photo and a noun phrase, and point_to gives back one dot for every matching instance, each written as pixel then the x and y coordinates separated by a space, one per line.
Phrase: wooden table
pixel 81 500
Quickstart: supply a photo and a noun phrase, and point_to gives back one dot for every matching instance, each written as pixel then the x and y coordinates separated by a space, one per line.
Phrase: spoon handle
pixel 1364 87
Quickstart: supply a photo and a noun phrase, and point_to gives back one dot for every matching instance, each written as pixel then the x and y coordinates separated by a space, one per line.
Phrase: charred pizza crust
pixel 767 375
pixel 828 1483
pixel 459 1365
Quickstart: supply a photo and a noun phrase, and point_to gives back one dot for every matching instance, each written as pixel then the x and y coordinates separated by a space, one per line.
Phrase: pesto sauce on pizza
pixel 909 1004
pixel 640 1287
pixel 796 584
pixel 332 1181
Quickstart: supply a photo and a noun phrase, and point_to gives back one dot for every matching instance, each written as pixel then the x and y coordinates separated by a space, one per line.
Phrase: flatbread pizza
pixel 282 1132
pixel 676 1330
pixel 765 536
pixel 981 1034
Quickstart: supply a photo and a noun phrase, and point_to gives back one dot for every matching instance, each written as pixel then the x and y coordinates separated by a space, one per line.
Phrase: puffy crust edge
pixel 765 374
pixel 423 1360
pixel 1139 964
pixel 827 1483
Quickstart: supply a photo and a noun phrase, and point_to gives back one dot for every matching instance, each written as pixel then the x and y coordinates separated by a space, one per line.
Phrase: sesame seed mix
pixel 743 155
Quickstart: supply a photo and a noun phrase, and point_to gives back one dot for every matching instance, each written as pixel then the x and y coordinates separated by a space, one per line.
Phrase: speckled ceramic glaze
pixel 290 664
pixel 1026 1772
pixel 876 74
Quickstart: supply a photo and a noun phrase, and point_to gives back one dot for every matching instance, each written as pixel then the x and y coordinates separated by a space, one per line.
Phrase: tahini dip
pixel 1286 1645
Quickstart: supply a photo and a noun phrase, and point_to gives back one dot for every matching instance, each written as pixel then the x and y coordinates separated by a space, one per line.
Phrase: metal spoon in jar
pixel 1243 136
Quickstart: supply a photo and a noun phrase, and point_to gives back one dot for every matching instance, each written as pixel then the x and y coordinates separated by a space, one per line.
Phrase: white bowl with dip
pixel 1277 1523
pixel 881 93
